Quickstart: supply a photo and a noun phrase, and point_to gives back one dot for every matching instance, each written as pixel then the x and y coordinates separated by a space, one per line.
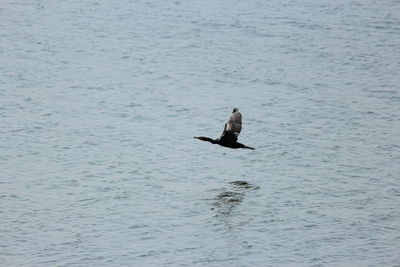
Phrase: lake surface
pixel 99 101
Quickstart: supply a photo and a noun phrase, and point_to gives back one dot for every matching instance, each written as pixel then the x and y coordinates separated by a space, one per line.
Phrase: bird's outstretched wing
pixel 232 127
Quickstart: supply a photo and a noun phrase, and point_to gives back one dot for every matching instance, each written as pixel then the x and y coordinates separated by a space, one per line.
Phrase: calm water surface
pixel 99 101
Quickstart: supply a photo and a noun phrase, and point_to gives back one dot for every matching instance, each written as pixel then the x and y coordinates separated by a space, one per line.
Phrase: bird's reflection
pixel 226 201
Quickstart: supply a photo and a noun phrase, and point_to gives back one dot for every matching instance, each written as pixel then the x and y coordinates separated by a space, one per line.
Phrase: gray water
pixel 100 101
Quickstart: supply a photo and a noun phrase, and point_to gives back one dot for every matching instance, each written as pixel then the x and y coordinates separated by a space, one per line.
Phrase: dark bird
pixel 230 134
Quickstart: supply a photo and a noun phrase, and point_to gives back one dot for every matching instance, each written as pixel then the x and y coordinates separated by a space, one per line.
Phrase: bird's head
pixel 202 138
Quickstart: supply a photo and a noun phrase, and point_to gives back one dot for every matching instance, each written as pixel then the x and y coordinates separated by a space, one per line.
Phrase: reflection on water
pixel 226 201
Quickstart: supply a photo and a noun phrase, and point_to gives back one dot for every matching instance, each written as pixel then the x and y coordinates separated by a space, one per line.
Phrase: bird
pixel 230 134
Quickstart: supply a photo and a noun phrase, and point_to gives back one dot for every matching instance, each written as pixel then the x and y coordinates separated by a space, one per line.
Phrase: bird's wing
pixel 235 123
pixel 233 126
pixel 224 131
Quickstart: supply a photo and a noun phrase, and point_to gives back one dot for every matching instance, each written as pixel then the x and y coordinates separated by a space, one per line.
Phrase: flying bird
pixel 230 134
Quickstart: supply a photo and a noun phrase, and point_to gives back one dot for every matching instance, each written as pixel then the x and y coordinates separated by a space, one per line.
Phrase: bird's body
pixel 230 134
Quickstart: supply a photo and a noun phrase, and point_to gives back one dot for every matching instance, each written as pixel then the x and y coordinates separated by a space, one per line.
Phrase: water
pixel 100 101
